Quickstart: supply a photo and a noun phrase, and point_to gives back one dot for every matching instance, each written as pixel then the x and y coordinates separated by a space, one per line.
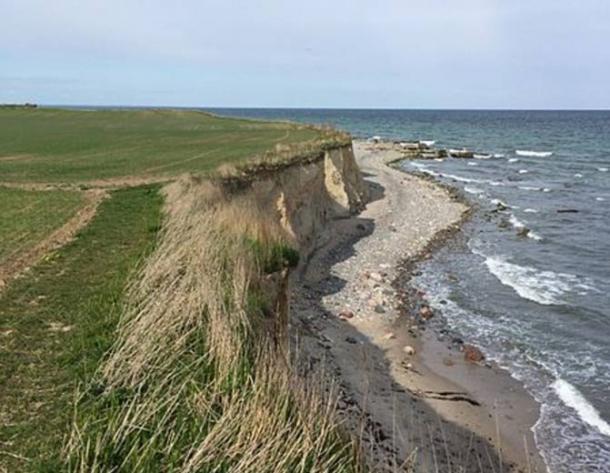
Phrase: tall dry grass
pixel 196 381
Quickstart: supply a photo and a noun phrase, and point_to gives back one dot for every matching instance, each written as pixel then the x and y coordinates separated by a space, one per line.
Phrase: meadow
pixel 27 216
pixel 75 146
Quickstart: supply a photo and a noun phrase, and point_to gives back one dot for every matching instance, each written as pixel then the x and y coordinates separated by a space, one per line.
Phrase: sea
pixel 528 280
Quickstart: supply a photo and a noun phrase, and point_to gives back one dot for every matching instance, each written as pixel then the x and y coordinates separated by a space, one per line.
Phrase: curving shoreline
pixel 352 301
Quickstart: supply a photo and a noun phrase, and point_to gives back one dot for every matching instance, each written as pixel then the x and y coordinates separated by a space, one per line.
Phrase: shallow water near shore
pixel 536 302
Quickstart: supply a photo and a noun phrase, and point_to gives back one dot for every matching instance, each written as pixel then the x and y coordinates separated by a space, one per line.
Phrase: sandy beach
pixel 408 393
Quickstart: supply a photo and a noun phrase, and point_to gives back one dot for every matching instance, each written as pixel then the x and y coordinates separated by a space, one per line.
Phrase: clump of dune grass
pixel 197 381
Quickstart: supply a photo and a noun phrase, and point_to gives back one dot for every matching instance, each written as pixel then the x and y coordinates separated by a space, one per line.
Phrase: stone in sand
pixel 346 314
pixel 426 313
pixel 472 354
pixel 409 350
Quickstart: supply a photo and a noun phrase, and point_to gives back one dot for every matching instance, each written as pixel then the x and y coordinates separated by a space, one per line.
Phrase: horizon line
pixel 261 107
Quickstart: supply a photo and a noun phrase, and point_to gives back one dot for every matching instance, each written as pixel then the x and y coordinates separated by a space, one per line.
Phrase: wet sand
pixel 409 396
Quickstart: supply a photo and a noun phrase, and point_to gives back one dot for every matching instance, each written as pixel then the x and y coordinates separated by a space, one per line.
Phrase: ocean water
pixel 538 304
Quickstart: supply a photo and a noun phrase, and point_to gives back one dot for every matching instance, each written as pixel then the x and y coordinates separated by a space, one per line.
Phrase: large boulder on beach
pixel 472 354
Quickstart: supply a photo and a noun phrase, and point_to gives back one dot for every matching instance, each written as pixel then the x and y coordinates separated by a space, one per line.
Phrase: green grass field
pixel 58 321
pixel 26 217
pixel 48 145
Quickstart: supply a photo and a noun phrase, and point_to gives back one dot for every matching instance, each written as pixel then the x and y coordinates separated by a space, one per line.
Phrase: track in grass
pixel 48 145
pixel 28 216
pixel 58 320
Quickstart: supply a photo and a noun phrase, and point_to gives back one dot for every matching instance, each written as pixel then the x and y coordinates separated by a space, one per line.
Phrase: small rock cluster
pixel 418 149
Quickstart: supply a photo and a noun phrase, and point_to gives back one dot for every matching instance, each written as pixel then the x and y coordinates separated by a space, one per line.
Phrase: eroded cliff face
pixel 306 196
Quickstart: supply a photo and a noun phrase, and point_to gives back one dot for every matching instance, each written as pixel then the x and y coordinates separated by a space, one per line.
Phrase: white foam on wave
pixel 495 183
pixel 519 225
pixel 515 222
pixel 534 154
pixel 602 169
pixel 423 168
pixel 529 188
pixel 543 287
pixel 530 211
pixel 574 399
pixel 482 156
pixel 472 164
pixel 513 160
pixel 460 178
pixel 523 171
pixel 498 155
pixel 417 165
pixel 428 142
pixel 498 202
pixel 473 190
pixel 600 199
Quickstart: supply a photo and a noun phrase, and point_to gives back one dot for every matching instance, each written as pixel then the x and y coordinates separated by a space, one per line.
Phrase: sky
pixel 493 54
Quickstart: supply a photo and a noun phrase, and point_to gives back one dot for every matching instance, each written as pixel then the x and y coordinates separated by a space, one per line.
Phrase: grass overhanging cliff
pixel 200 377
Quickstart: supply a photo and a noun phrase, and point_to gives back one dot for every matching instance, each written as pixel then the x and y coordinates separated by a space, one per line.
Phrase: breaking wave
pixel 515 222
pixel 460 178
pixel 574 399
pixel 473 190
pixel 534 154
pixel 543 287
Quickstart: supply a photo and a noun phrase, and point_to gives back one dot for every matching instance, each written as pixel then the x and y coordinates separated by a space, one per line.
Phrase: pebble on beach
pixel 409 350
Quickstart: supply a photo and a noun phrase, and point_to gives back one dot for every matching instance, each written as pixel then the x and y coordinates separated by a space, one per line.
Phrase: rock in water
pixel 523 232
pixel 472 354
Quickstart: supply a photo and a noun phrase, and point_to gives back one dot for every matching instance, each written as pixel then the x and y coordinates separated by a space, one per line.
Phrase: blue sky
pixel 314 53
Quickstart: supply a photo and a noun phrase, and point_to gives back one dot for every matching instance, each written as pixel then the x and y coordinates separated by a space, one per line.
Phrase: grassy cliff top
pixel 69 146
